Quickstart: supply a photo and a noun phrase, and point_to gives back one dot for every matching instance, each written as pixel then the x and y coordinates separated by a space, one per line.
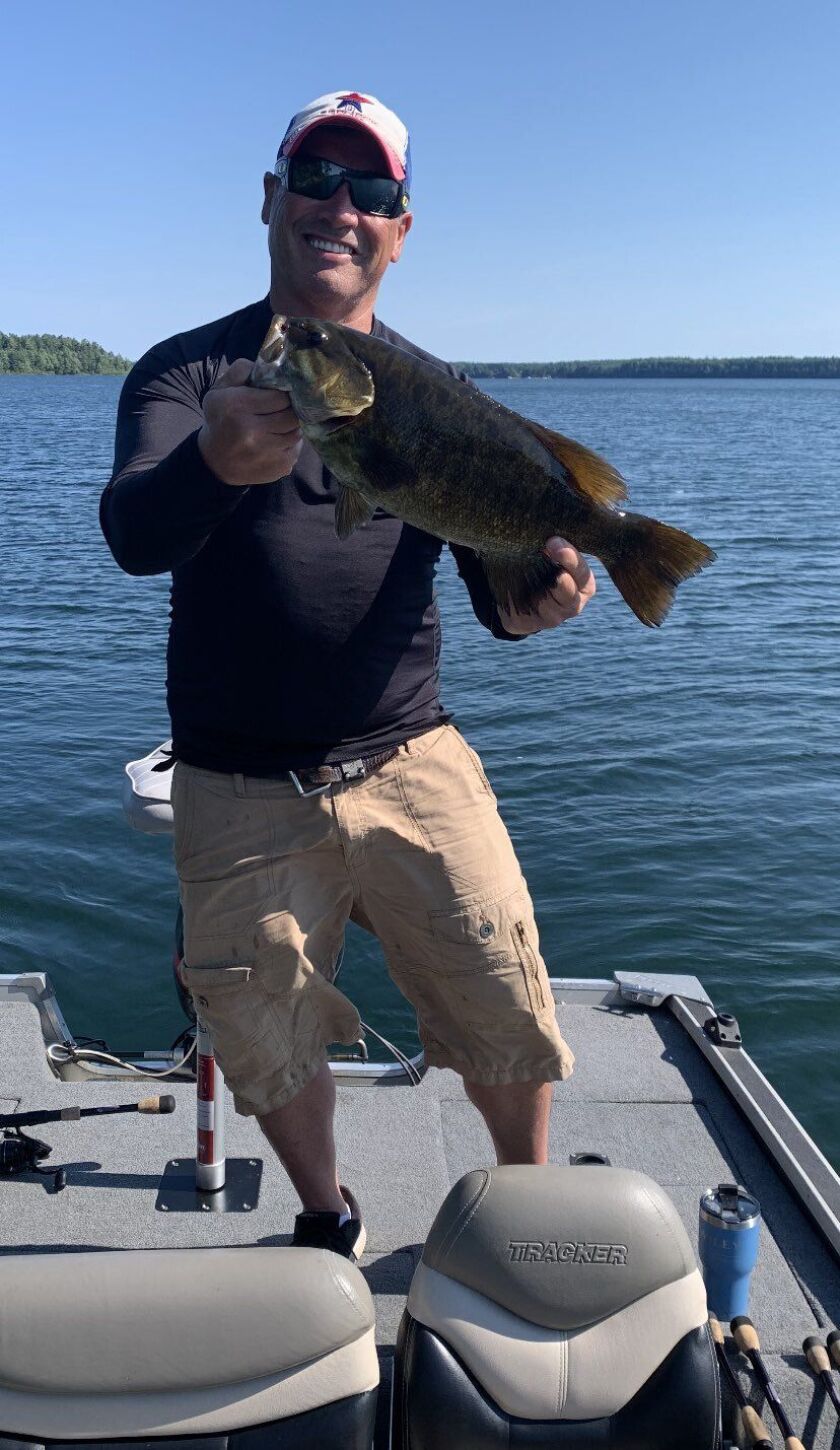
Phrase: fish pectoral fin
pixel 586 472
pixel 519 581
pixel 351 510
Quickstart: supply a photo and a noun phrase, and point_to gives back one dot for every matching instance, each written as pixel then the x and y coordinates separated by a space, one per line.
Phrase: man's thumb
pixel 236 375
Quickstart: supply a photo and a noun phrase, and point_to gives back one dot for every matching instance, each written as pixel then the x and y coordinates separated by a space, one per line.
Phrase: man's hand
pixel 572 590
pixel 250 435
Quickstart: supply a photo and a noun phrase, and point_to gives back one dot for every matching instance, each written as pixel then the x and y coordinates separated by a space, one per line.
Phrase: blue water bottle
pixel 730 1219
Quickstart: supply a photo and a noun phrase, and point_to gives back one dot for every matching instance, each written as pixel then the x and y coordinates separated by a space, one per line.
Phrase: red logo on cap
pixel 354 100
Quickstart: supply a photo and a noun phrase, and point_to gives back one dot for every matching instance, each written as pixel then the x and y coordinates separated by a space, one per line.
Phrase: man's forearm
pixel 157 519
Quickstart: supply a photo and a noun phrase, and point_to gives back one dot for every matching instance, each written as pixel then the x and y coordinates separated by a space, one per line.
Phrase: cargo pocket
pixel 232 1008
pixel 487 964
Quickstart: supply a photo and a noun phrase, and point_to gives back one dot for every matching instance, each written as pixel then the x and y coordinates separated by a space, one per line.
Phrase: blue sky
pixel 593 178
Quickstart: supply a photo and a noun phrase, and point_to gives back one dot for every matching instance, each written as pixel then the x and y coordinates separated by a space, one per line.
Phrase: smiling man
pixel 318 777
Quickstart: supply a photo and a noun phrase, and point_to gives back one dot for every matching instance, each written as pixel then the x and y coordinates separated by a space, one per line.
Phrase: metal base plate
pixel 178 1193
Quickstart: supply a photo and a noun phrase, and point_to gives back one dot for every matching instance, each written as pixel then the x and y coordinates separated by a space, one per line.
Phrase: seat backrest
pixel 568 1298
pixel 186 1342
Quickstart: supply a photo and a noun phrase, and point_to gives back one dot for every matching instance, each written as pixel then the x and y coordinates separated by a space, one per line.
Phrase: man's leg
pixel 516 1115
pixel 301 1134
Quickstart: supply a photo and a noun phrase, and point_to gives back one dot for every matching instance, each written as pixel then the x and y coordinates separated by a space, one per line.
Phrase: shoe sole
pixel 358 1247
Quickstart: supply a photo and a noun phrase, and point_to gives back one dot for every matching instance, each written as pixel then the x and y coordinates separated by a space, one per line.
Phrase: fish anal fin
pixel 519 581
pixel 586 472
pixel 351 510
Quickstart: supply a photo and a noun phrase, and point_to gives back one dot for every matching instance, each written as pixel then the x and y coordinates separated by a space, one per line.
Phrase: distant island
pixel 664 367
pixel 44 352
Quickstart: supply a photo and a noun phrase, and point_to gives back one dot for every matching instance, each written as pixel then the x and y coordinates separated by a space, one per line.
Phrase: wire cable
pixel 61 1053
pixel 414 1076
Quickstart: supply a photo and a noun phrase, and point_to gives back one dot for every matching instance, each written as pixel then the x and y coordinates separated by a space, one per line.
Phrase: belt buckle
pixel 353 770
pixel 304 794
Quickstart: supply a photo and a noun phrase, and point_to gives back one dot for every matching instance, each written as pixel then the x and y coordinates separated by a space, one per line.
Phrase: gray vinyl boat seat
pixel 557 1306
pixel 187 1342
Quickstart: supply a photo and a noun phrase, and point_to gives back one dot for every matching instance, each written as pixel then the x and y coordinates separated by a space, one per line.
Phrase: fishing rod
pixel 817 1357
pixel 746 1337
pixel 164 1104
pixel 19 1153
pixel 753 1424
pixel 832 1344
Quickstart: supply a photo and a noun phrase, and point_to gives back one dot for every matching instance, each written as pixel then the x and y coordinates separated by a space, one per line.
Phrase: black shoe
pixel 322 1231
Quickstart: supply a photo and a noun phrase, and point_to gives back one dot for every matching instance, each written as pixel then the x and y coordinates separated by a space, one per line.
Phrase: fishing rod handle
pixel 746 1338
pixel 792 1443
pixel 163 1104
pixel 44 1115
pixel 756 1428
pixel 757 1432
pixel 833 1346
pixel 744 1334
pixel 816 1355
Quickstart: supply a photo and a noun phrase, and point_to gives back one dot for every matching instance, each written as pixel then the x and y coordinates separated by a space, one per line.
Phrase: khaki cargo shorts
pixel 418 855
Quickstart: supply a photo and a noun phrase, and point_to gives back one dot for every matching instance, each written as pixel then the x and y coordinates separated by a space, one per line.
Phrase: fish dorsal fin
pixel 351 510
pixel 586 472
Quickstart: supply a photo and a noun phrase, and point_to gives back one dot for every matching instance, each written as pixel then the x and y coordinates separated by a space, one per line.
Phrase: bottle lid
pixel 730 1206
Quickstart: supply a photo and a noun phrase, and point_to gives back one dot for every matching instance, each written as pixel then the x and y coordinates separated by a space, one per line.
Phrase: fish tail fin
pixel 646 560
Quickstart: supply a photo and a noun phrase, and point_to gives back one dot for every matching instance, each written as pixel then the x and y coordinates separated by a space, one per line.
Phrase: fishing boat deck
pixel 643 1093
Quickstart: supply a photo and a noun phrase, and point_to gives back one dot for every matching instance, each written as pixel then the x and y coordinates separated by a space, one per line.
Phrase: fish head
pixel 314 363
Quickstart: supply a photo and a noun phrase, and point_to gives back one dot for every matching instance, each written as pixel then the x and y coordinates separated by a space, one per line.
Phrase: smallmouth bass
pixel 397 433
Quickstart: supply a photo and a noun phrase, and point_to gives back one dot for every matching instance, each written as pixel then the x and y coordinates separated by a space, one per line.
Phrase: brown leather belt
pixel 318 778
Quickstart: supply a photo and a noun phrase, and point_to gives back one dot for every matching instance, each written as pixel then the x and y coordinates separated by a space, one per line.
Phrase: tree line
pixel 44 352
pixel 664 367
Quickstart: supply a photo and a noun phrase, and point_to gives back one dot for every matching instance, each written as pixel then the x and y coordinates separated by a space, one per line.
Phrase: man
pixel 317 775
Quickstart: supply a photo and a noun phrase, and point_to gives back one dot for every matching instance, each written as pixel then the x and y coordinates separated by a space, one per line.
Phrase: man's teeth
pixel 321 246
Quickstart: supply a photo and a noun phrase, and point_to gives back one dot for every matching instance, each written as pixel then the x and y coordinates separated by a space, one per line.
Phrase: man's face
pixel 327 257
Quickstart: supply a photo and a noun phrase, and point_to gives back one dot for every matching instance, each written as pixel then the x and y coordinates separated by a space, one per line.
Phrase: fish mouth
pixel 271 358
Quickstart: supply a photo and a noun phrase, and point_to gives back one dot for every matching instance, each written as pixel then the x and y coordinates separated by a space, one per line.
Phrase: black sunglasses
pixel 319 179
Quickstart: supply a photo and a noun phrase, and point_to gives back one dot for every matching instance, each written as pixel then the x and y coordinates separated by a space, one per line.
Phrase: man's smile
pixel 328 244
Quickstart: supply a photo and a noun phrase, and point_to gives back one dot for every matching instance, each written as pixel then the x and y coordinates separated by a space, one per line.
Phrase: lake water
pixel 673 794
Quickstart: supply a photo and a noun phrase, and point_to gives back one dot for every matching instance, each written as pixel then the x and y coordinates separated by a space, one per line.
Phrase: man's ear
pixel 269 182
pixel 402 232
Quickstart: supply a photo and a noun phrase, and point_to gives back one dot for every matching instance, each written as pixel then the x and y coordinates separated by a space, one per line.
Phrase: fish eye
pixel 314 336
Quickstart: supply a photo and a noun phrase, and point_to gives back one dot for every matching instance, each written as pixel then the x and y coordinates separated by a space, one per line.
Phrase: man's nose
pixel 341 207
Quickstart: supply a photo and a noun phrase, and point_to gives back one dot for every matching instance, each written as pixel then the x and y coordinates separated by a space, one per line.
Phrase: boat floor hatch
pixel 642 1093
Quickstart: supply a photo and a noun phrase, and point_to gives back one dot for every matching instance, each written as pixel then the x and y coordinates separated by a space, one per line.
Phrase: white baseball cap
pixel 350 108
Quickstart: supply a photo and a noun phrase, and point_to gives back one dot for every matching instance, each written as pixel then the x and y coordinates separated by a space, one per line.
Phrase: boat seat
pixel 556 1306
pixel 195 1343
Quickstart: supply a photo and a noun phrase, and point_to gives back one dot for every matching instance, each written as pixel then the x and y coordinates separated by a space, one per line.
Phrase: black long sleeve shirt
pixel 287 647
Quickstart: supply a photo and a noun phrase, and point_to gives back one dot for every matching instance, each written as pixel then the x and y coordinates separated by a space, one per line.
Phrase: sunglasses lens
pixel 313 177
pixel 376 195
pixel 319 179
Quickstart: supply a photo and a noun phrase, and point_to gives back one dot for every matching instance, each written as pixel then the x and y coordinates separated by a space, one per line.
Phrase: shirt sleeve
pixel 483 603
pixel 163 501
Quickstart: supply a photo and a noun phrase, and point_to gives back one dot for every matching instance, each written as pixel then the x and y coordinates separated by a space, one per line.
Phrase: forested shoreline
pixel 45 352
pixel 664 367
